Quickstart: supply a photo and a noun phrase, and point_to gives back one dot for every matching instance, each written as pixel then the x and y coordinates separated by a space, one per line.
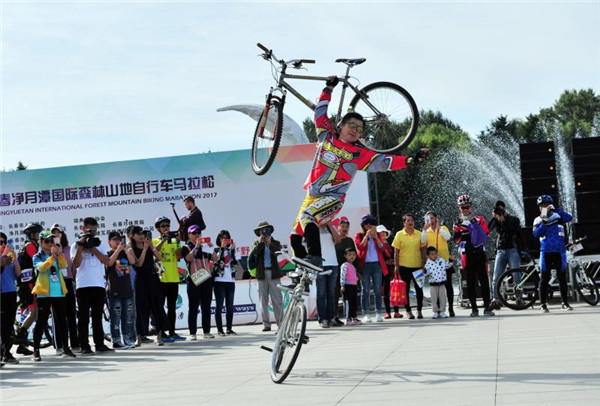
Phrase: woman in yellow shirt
pixel 409 256
pixel 436 235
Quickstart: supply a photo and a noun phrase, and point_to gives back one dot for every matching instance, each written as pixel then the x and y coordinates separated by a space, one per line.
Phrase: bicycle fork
pixel 263 119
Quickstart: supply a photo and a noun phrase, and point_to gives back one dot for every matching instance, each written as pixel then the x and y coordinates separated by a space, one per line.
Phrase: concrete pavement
pixel 523 358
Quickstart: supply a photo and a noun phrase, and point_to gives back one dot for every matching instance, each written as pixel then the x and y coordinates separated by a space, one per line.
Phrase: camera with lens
pixel 89 241
pixel 147 234
pixel 499 211
pixel 170 236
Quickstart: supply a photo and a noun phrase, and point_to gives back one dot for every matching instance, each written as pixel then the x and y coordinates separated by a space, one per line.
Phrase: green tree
pixel 308 125
pixel 20 166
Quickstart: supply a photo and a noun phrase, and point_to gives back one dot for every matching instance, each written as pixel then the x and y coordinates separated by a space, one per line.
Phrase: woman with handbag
pixel 199 280
pixel 224 284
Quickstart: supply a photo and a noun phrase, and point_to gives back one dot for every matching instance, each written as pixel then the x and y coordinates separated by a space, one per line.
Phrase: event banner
pixel 118 194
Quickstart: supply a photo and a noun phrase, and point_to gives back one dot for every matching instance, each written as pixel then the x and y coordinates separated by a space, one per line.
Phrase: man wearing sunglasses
pixel 339 156
pixel 471 232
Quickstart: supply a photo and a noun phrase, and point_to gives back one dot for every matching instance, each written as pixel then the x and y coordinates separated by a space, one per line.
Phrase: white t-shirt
pixel 227 274
pixel 90 273
pixel 328 248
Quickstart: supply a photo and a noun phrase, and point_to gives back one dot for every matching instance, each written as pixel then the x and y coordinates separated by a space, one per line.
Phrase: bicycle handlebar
pixel 261 46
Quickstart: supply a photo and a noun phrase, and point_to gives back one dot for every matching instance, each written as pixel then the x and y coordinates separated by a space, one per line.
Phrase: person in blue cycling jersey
pixel 549 227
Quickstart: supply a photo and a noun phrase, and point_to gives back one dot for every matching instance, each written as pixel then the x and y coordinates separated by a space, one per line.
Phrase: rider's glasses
pixel 359 128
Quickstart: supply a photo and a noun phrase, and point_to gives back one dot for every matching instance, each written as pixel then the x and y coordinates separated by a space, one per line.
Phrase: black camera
pixel 169 237
pixel 499 211
pixel 147 234
pixel 89 241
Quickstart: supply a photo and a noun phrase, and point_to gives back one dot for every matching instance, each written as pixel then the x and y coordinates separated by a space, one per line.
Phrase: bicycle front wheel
pixel 586 286
pixel 290 338
pixel 517 289
pixel 391 116
pixel 267 137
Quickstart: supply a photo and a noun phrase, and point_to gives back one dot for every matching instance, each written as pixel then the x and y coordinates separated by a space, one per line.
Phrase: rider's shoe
pixel 566 306
pixel 544 308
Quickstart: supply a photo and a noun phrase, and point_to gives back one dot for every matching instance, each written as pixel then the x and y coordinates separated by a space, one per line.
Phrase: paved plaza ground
pixel 515 358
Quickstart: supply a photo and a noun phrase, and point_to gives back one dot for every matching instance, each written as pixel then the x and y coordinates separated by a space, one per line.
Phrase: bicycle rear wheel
pixel 518 288
pixel 391 116
pixel 267 137
pixel 290 338
pixel 586 286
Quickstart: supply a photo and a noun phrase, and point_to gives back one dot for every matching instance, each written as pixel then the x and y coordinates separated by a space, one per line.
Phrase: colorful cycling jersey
pixel 551 231
pixel 336 161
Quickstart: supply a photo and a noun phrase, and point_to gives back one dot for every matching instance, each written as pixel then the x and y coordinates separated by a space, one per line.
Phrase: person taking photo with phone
pixel 11 270
pixel 224 286
pixel 50 290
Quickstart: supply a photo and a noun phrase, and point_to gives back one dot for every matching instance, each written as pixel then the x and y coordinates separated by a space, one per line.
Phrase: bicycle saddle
pixel 355 61
pixel 304 264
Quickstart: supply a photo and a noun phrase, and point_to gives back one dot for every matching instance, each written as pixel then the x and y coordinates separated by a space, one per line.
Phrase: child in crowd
pixel 348 281
pixel 435 268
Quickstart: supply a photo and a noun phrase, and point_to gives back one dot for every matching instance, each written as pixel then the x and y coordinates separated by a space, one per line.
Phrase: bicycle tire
pixel 286 336
pixel 396 126
pixel 586 287
pixel 264 149
pixel 517 298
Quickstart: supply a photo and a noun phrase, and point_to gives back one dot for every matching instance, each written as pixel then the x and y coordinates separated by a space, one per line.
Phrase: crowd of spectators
pixel 137 276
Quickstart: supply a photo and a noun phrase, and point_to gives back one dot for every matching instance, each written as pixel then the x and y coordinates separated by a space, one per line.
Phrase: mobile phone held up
pixel 204 240
pixel 227 241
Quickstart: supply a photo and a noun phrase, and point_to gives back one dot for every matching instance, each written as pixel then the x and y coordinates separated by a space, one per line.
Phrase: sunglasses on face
pixel 164 226
pixel 359 128
pixel 48 241
pixel 465 206
pixel 2 242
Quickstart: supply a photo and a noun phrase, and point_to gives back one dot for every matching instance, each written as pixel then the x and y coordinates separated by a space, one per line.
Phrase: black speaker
pixel 588 206
pixel 538 171
pixel 586 146
pixel 591 230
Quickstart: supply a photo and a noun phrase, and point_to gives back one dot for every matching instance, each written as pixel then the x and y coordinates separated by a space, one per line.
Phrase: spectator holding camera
pixel 50 290
pixel 148 290
pixel 508 229
pixel 120 292
pixel 263 258
pixel 11 270
pixel 372 265
pixel 168 245
pixel 224 285
pixel 89 257
pixel 70 299
pixel 200 291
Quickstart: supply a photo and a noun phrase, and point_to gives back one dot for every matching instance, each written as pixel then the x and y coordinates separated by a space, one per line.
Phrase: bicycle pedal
pixel 262 347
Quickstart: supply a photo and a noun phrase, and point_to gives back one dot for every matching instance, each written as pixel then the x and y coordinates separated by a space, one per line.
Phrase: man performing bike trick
pixel 338 157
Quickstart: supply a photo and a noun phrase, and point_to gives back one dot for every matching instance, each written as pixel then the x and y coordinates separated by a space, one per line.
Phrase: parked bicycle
pixel 518 288
pixel 390 112
pixel 291 333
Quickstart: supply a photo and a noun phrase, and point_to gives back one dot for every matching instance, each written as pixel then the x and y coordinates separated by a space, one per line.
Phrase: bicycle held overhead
pixel 390 113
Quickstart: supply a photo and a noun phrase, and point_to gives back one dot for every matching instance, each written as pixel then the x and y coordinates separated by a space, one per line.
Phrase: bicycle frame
pixel 282 83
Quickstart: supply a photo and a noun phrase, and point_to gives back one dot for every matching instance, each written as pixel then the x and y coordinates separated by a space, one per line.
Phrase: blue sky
pixel 86 82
